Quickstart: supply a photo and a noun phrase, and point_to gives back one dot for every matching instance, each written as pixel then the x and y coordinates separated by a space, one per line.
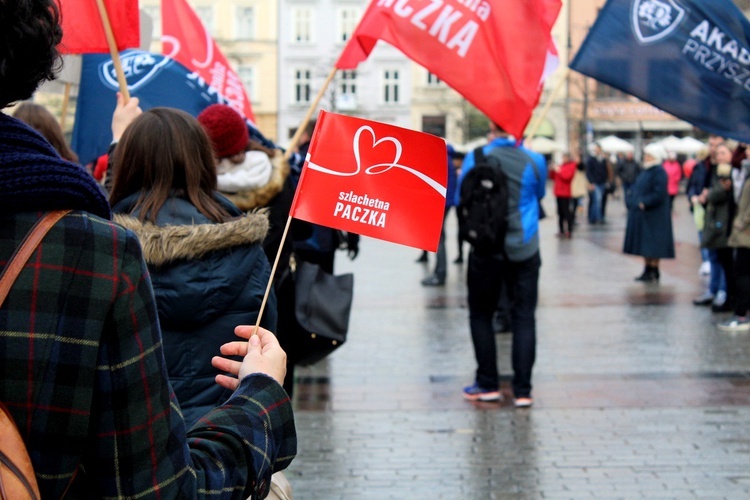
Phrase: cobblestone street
pixel 636 393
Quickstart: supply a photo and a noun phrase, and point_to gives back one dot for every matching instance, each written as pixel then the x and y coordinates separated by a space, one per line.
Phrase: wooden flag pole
pixel 306 119
pixel 65 104
pixel 548 104
pixel 287 154
pixel 273 273
pixel 112 43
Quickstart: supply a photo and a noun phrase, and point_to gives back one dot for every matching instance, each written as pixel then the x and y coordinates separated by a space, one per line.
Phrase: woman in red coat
pixel 563 176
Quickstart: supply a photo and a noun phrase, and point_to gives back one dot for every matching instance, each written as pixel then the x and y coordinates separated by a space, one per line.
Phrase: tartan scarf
pixel 33 176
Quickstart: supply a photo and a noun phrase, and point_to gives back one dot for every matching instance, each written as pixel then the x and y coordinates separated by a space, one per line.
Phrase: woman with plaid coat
pixel 81 359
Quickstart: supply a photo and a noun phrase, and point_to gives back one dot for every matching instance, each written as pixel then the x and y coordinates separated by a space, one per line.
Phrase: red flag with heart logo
pixel 493 53
pixel 187 41
pixel 83 31
pixel 375 180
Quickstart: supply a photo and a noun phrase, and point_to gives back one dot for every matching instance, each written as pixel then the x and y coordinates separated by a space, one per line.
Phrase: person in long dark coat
pixel 649 228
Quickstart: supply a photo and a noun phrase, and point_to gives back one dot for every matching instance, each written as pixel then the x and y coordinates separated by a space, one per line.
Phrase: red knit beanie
pixel 226 128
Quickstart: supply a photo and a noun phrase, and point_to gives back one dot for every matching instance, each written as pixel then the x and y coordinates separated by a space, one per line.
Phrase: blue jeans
pixel 596 200
pixel 485 278
pixel 717 279
pixel 441 261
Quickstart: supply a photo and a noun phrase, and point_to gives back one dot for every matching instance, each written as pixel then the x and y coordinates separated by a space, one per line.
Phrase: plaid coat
pixel 83 373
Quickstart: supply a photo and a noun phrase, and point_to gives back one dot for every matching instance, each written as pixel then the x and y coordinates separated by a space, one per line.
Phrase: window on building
pixel 348 82
pixel 434 125
pixel 247 76
pixel 432 79
pixel 347 22
pixel 390 86
pixel 206 15
pixel 302 24
pixel 302 80
pixel 244 23
pixel 154 12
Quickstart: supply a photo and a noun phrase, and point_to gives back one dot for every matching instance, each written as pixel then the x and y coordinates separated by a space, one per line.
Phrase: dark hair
pixel 29 34
pixel 41 120
pixel 165 152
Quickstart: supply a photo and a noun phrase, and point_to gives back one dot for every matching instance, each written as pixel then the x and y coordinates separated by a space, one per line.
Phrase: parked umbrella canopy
pixel 613 144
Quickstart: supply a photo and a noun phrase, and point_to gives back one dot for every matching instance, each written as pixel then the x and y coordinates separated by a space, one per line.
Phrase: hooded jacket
pixel 208 278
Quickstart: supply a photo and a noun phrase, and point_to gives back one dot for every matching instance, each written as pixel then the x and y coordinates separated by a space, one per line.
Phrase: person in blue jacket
pixel 516 266
pixel 205 256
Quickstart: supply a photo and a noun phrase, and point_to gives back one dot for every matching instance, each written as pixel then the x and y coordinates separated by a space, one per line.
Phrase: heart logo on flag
pixel 375 168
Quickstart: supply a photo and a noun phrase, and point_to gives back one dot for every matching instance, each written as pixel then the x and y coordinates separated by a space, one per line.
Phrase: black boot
pixel 650 275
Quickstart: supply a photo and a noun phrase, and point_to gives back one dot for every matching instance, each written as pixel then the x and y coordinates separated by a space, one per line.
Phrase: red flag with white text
pixel 83 31
pixel 375 180
pixel 493 53
pixel 187 41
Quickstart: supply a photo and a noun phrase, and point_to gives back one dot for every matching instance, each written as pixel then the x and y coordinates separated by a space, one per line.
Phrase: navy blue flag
pixel 155 79
pixel 690 58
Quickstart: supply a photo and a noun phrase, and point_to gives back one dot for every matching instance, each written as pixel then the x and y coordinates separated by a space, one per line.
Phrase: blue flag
pixel 690 58
pixel 155 79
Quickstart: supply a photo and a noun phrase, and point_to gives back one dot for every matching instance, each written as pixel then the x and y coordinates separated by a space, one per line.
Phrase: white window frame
pixel 248 77
pixel 346 22
pixel 302 25
pixel 302 85
pixel 239 24
pixel 433 80
pixel 391 83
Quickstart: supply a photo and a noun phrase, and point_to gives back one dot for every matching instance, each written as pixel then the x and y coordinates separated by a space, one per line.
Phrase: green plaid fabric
pixel 82 371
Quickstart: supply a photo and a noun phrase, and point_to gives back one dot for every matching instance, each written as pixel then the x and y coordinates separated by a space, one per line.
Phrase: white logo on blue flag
pixel 653 20
pixel 139 67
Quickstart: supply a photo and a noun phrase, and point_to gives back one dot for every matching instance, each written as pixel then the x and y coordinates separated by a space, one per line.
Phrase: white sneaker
pixel 705 269
pixel 720 298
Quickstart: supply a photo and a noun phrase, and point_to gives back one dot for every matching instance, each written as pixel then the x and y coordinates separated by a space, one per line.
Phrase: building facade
pixel 312 34
pixel 247 32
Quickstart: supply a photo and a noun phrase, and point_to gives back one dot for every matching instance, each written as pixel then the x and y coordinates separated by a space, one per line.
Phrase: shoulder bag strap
pixel 22 254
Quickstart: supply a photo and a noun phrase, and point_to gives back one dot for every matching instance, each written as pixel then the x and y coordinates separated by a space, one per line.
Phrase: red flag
pixel 187 41
pixel 374 179
pixel 492 53
pixel 83 31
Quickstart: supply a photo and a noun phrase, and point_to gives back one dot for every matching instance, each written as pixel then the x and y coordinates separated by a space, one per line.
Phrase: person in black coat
pixel 649 228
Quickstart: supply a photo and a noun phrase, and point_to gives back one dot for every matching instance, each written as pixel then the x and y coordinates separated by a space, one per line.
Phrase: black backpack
pixel 483 205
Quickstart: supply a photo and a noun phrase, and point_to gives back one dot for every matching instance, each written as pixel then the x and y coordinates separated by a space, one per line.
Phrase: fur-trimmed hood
pixel 164 244
pixel 262 196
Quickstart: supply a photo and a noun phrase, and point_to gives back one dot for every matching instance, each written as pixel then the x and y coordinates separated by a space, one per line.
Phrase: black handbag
pixel 314 308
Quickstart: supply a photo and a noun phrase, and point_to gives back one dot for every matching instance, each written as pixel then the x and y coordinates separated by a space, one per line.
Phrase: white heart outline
pixel 373 169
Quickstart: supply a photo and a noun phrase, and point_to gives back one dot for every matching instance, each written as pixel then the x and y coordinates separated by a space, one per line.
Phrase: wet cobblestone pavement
pixel 636 393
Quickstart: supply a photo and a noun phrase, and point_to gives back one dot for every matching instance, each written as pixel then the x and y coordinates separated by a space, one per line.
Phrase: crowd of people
pixel 134 339
pixel 714 181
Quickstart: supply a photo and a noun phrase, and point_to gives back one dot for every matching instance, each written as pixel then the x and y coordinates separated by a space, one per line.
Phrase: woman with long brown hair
pixel 40 119
pixel 205 257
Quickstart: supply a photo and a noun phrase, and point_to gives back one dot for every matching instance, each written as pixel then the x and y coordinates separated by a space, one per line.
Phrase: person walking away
pixel 674 175
pixel 579 188
pixel 437 278
pixel 720 210
pixel 456 160
pixel 740 241
pixel 97 413
pixel 204 254
pixel 627 171
pixel 597 175
pixel 648 232
pixel 563 176
pixel 516 264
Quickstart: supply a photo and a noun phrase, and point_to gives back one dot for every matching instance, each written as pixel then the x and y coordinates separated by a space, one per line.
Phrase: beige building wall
pixel 247 33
